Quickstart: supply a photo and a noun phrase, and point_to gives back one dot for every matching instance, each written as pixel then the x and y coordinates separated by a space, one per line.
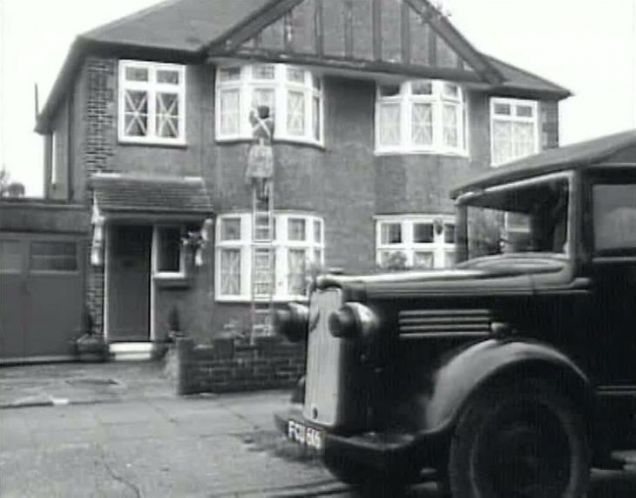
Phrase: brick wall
pixel 224 367
pixel 99 141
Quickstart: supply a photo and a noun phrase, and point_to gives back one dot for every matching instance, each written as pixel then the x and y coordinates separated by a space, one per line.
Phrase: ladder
pixel 263 263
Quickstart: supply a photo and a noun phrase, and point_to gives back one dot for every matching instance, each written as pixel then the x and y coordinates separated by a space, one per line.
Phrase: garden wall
pixel 225 366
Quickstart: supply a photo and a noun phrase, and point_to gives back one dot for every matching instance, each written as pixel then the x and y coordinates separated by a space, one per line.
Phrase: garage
pixel 42 261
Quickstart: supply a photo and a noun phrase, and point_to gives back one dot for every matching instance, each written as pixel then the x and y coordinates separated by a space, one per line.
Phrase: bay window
pixel 293 95
pixel 151 102
pixel 514 129
pixel 420 116
pixel 415 241
pixel 280 269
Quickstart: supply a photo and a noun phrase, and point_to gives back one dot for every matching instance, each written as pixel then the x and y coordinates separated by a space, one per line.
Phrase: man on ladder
pixel 260 161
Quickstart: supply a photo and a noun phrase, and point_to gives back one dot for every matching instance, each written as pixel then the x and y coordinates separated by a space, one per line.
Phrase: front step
pixel 131 351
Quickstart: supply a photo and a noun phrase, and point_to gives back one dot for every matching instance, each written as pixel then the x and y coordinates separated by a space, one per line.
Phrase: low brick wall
pixel 225 367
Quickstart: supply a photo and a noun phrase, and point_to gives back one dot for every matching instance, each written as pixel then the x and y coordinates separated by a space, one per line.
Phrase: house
pixel 379 107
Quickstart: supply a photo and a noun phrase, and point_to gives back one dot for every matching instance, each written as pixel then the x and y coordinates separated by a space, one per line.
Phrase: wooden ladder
pixel 263 263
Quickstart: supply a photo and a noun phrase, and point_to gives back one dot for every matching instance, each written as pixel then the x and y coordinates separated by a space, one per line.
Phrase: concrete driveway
pixel 118 430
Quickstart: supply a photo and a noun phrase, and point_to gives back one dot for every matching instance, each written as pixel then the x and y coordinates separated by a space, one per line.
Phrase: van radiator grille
pixel 420 324
pixel 323 383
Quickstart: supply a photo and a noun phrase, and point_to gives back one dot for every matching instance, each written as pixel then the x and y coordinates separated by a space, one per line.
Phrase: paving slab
pixel 82 383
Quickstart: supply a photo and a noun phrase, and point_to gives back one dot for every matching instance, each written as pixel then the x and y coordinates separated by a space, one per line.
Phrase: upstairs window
pixel 151 102
pixel 293 95
pixel 514 129
pixel 421 241
pixel 421 117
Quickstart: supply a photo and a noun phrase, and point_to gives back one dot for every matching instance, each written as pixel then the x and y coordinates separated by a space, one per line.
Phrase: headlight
pixel 353 320
pixel 292 322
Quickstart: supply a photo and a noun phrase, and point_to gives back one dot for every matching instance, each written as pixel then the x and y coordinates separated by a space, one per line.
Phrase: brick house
pixel 379 107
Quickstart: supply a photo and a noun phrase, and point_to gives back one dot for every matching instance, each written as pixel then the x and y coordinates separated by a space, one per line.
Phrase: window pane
pixel 316 117
pixel 451 90
pixel 502 142
pixel 263 72
pixel 168 76
pixel 231 229
pixel 295 113
pixel 614 217
pixel 10 256
pixel 422 88
pixel 503 109
pixel 422 124
pixel 423 233
pixel 296 75
pixel 523 139
pixel 449 233
pixel 136 113
pixel 169 250
pixel 391 233
pixel 451 125
pixel 423 259
pixel 296 267
pixel 450 259
pixel 317 82
pixel 229 112
pixel 231 272
pixel 389 123
pixel 53 256
pixel 136 73
pixel 264 271
pixel 317 231
pixel 168 115
pixel 317 256
pixel 525 111
pixel 296 229
pixel 266 97
pixel 230 74
pixel 389 90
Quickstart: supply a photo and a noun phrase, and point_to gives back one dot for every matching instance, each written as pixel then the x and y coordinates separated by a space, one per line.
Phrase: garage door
pixel 41 295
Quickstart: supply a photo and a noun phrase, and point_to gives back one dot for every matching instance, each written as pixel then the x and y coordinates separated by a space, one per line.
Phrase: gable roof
pixel 190 30
pixel 181 25
pixel 516 80
pixel 619 147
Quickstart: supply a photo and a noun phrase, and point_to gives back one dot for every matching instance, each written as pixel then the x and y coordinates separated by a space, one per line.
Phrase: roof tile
pixel 125 193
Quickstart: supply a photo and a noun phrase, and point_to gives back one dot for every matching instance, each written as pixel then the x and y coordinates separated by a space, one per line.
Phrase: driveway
pixel 117 430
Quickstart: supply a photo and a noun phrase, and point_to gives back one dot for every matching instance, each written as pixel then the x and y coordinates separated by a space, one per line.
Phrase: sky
pixel 587 46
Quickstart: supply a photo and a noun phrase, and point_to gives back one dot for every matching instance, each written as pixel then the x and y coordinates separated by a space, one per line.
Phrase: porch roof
pixel 120 193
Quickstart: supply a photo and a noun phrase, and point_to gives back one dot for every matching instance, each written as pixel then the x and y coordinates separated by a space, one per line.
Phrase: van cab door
pixel 612 235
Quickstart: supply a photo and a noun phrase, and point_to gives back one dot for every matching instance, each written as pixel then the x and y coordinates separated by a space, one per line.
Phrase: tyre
pixel 521 442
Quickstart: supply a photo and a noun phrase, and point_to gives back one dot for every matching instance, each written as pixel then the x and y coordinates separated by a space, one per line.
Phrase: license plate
pixel 307 436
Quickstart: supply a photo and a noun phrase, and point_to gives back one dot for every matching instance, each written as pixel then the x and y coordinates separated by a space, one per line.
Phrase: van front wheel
pixel 521 442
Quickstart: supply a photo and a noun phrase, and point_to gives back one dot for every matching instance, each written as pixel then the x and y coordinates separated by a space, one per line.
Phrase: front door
pixel 128 283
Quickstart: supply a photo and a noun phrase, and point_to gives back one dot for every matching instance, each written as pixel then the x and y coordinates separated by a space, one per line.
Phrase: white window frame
pixel 281 246
pixel 156 273
pixel 406 100
pixel 246 85
pixel 152 88
pixel 439 247
pixel 513 103
pixel 53 174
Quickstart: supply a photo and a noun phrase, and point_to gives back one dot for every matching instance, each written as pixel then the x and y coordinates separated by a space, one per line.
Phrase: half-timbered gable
pixel 408 37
